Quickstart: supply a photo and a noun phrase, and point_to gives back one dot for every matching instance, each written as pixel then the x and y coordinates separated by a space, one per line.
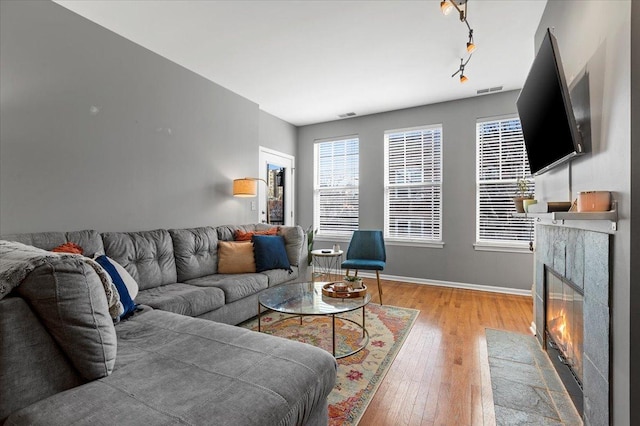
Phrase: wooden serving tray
pixel 328 290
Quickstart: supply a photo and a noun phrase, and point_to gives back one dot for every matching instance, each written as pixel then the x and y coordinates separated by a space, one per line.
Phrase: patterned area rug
pixel 359 375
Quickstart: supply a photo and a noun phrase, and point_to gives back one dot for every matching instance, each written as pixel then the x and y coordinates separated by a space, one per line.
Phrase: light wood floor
pixel 441 374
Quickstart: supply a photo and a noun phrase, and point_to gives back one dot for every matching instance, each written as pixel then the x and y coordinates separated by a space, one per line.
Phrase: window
pixel 336 187
pixel 413 184
pixel 501 161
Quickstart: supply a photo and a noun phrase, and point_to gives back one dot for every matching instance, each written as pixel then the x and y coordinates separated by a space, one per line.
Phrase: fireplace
pixel 564 336
pixel 572 314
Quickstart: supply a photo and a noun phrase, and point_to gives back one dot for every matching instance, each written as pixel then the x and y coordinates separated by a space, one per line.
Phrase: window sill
pixel 416 243
pixel 504 248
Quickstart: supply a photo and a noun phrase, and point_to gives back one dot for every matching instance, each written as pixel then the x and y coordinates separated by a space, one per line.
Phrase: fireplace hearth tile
pixel 527 398
pixel 526 388
pixel 565 407
pixel 509 347
pixel 551 378
pixel 508 417
pixel 526 374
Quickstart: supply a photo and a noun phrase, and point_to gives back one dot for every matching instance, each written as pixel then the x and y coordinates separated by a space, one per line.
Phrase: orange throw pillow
pixel 236 257
pixel 68 248
pixel 246 236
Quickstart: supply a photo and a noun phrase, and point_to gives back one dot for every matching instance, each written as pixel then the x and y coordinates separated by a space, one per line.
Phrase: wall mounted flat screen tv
pixel 551 135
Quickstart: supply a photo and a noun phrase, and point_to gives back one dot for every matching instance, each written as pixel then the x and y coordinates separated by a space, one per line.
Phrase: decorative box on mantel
pixel 581 258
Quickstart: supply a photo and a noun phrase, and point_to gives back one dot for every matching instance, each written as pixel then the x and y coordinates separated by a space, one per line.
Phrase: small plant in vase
pixel 353 281
pixel 522 194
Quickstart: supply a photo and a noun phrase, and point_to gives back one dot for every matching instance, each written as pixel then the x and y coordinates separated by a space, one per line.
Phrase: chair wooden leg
pixel 347 273
pixel 379 287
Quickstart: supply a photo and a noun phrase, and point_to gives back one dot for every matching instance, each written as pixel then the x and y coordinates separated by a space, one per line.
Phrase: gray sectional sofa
pixel 179 360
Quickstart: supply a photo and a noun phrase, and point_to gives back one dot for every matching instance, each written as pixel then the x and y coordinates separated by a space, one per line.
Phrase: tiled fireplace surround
pixel 582 256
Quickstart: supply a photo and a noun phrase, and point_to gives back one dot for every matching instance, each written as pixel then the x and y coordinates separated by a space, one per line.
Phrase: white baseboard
pixel 466 286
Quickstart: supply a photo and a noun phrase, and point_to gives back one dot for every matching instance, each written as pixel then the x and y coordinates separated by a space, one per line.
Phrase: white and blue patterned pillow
pixel 124 282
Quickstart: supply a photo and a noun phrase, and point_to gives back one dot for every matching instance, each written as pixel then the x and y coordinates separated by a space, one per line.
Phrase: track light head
pixel 446 7
pixel 471 47
pixel 463 63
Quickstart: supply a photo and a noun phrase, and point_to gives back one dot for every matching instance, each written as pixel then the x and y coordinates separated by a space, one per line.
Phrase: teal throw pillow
pixel 270 253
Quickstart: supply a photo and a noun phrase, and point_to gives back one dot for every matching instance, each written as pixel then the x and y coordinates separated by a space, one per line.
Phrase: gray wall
pixel 634 253
pixel 458 261
pixel 595 43
pixel 161 150
pixel 277 134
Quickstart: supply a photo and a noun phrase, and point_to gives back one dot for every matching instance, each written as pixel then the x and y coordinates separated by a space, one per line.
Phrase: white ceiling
pixel 309 61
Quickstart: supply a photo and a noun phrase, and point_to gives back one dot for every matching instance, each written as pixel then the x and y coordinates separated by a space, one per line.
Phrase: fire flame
pixel 561 332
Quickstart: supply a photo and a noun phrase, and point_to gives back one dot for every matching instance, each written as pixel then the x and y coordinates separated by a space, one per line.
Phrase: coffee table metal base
pixel 365 333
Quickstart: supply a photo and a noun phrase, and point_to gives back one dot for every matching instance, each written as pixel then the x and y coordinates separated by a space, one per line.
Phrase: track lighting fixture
pixel 446 6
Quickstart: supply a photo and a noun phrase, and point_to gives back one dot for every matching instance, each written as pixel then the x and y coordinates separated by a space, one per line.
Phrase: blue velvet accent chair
pixel 366 252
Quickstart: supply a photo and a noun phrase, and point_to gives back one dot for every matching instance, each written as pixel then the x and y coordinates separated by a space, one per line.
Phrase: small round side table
pixel 328 264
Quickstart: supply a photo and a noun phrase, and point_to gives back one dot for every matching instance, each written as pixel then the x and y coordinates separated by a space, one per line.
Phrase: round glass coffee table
pixel 306 299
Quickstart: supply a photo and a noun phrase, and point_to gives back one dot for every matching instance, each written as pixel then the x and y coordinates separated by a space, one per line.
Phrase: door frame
pixel 271 156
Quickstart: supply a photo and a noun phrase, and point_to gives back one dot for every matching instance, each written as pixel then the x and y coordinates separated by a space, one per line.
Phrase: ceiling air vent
pixel 489 90
pixel 348 114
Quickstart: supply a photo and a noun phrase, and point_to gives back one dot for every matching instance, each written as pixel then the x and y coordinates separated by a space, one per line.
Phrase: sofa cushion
pixel 180 370
pixel 182 299
pixel 146 255
pixel 270 253
pixel 89 240
pixel 234 286
pixel 195 251
pixel 236 257
pixel 69 298
pixel 279 276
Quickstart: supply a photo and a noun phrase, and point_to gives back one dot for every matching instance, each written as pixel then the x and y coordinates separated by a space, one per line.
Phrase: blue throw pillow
pixel 270 253
pixel 125 298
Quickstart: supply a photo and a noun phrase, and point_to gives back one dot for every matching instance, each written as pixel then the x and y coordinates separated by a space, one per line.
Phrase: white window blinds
pixel 336 186
pixel 501 161
pixel 413 184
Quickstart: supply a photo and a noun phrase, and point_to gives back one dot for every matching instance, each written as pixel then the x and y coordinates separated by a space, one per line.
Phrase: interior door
pixel 276 197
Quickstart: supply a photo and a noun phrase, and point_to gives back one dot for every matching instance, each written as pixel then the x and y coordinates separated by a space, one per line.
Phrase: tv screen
pixel 549 127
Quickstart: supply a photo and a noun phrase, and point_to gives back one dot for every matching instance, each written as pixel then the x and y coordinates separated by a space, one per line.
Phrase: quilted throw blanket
pixel 17 260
